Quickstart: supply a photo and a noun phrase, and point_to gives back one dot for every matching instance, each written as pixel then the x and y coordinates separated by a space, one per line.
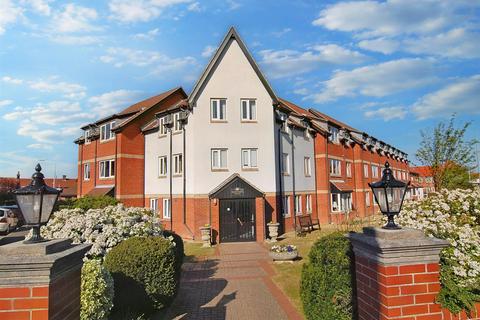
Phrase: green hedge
pixel 327 284
pixel 145 273
pixel 96 299
pixel 87 202
pixel 179 247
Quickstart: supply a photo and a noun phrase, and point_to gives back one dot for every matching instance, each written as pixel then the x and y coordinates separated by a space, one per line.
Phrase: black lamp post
pixel 36 202
pixel 389 194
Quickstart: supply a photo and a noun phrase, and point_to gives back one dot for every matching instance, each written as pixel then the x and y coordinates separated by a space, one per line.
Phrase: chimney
pixel 64 177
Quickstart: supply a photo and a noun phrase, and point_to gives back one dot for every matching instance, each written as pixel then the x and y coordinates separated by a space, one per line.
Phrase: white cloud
pixel 387 113
pixel 463 96
pixel 383 45
pixel 233 5
pixel 392 17
pixel 69 90
pixel 4 103
pixel 286 63
pixel 111 102
pixel 378 80
pixel 140 10
pixel 120 57
pixel 149 35
pixel 195 6
pixel 301 91
pixel 74 40
pixel 39 146
pixel 74 18
pixel 208 51
pixel 282 32
pixel 39 6
pixel 11 80
pixel 9 14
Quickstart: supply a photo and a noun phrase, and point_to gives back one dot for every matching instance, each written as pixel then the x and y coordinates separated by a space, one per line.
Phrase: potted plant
pixel 273 230
pixel 206 235
pixel 283 252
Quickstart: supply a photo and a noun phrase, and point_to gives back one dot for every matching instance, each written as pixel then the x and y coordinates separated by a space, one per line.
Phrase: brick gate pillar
pixel 397 274
pixel 40 281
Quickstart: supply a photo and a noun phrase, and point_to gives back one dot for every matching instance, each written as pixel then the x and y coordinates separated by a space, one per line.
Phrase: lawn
pixel 194 251
pixel 289 274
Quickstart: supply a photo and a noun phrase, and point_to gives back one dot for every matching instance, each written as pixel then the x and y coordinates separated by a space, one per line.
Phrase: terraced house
pixel 234 155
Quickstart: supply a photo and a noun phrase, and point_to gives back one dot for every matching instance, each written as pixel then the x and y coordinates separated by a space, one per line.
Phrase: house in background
pixel 422 182
pixel 68 186
pixel 111 151
pixel 234 155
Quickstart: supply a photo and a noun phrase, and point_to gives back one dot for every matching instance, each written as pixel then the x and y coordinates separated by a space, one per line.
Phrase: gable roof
pixel 231 34
pixel 235 182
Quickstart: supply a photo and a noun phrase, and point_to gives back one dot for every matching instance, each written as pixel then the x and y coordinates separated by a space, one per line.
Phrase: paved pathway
pixel 235 283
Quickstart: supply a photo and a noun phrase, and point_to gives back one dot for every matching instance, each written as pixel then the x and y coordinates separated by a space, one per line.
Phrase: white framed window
pixel 286 206
pixel 374 171
pixel 341 202
pixel 365 170
pixel 298 204
pixel 333 137
pixel 367 198
pixel 285 127
pixel 249 109
pixel 335 167
pixel 162 130
pixel 166 208
pixel 177 126
pixel 88 133
pixel 307 166
pixel 106 131
pixel 107 168
pixel 285 164
pixel 154 205
pixel 348 169
pixel 162 166
pixel 219 158
pixel 308 203
pixel 249 158
pixel 177 164
pixel 218 109
pixel 86 171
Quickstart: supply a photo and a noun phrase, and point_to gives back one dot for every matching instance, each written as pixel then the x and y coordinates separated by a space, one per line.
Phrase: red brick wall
pixel 24 303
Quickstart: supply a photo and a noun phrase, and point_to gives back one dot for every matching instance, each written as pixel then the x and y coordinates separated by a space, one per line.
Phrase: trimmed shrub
pixel 98 202
pixel 96 299
pixel 327 283
pixel 144 273
pixel 179 247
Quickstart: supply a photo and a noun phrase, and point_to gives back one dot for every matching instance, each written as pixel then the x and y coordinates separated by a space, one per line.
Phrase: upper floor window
pixel 249 109
pixel 177 164
pixel 333 137
pixel 348 169
pixel 307 166
pixel 285 164
pixel 86 171
pixel 365 170
pixel 219 158
pixel 88 133
pixel 218 109
pixel 177 126
pixel 249 158
pixel 162 130
pixel 374 171
pixel 162 166
pixel 106 132
pixel 107 169
pixel 335 167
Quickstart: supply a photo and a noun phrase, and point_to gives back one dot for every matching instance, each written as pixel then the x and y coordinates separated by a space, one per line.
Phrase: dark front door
pixel 237 220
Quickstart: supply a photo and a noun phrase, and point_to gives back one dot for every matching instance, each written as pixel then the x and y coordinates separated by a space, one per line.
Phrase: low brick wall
pixel 24 303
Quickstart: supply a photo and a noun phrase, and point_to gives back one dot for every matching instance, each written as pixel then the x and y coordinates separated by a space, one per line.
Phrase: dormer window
pixel 176 122
pixel 162 130
pixel 88 133
pixel 285 127
pixel 106 131
pixel 334 134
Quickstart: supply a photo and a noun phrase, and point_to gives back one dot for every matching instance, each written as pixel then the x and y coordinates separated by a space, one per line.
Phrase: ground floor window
pixel 166 209
pixel 298 205
pixel 154 205
pixel 341 202
pixel 367 198
pixel 308 203
pixel 286 206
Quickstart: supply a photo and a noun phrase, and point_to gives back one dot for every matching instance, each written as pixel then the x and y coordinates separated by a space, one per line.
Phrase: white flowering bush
pixel 103 228
pixel 453 215
pixel 96 298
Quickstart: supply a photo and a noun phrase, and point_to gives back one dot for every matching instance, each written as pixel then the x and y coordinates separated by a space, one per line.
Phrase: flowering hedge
pixel 454 216
pixel 103 228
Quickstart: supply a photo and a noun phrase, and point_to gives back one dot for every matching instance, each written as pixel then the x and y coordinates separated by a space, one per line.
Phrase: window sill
pixel 285 174
pixel 308 175
pixel 108 140
pixel 220 170
pixel 86 179
pixel 176 132
pixel 218 121
pixel 162 177
pixel 162 135
pixel 106 178
pixel 287 215
pixel 249 169
pixel 177 175
pixel 335 175
pixel 248 121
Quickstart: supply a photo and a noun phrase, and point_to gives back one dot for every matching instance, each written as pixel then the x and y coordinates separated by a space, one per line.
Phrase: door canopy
pixel 235 187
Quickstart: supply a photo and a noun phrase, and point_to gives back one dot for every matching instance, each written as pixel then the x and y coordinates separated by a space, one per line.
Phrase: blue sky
pixel 389 68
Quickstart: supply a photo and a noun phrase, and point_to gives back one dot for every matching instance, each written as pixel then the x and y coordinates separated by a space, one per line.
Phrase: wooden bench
pixel 306 223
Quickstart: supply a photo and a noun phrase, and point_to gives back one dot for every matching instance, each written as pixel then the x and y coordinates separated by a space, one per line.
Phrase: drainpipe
pixel 315 173
pixel 329 194
pixel 293 183
pixel 144 162
pixel 82 170
pixel 116 167
pixel 185 183
pixel 171 182
pixel 95 164
pixel 280 180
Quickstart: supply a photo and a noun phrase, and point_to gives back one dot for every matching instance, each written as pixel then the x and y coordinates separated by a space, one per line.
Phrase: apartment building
pixel 111 151
pixel 421 178
pixel 235 156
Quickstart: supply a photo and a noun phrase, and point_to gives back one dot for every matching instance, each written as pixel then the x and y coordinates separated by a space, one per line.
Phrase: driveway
pixel 235 283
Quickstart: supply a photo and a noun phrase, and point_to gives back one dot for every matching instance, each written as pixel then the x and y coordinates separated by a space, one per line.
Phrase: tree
pixel 446 152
